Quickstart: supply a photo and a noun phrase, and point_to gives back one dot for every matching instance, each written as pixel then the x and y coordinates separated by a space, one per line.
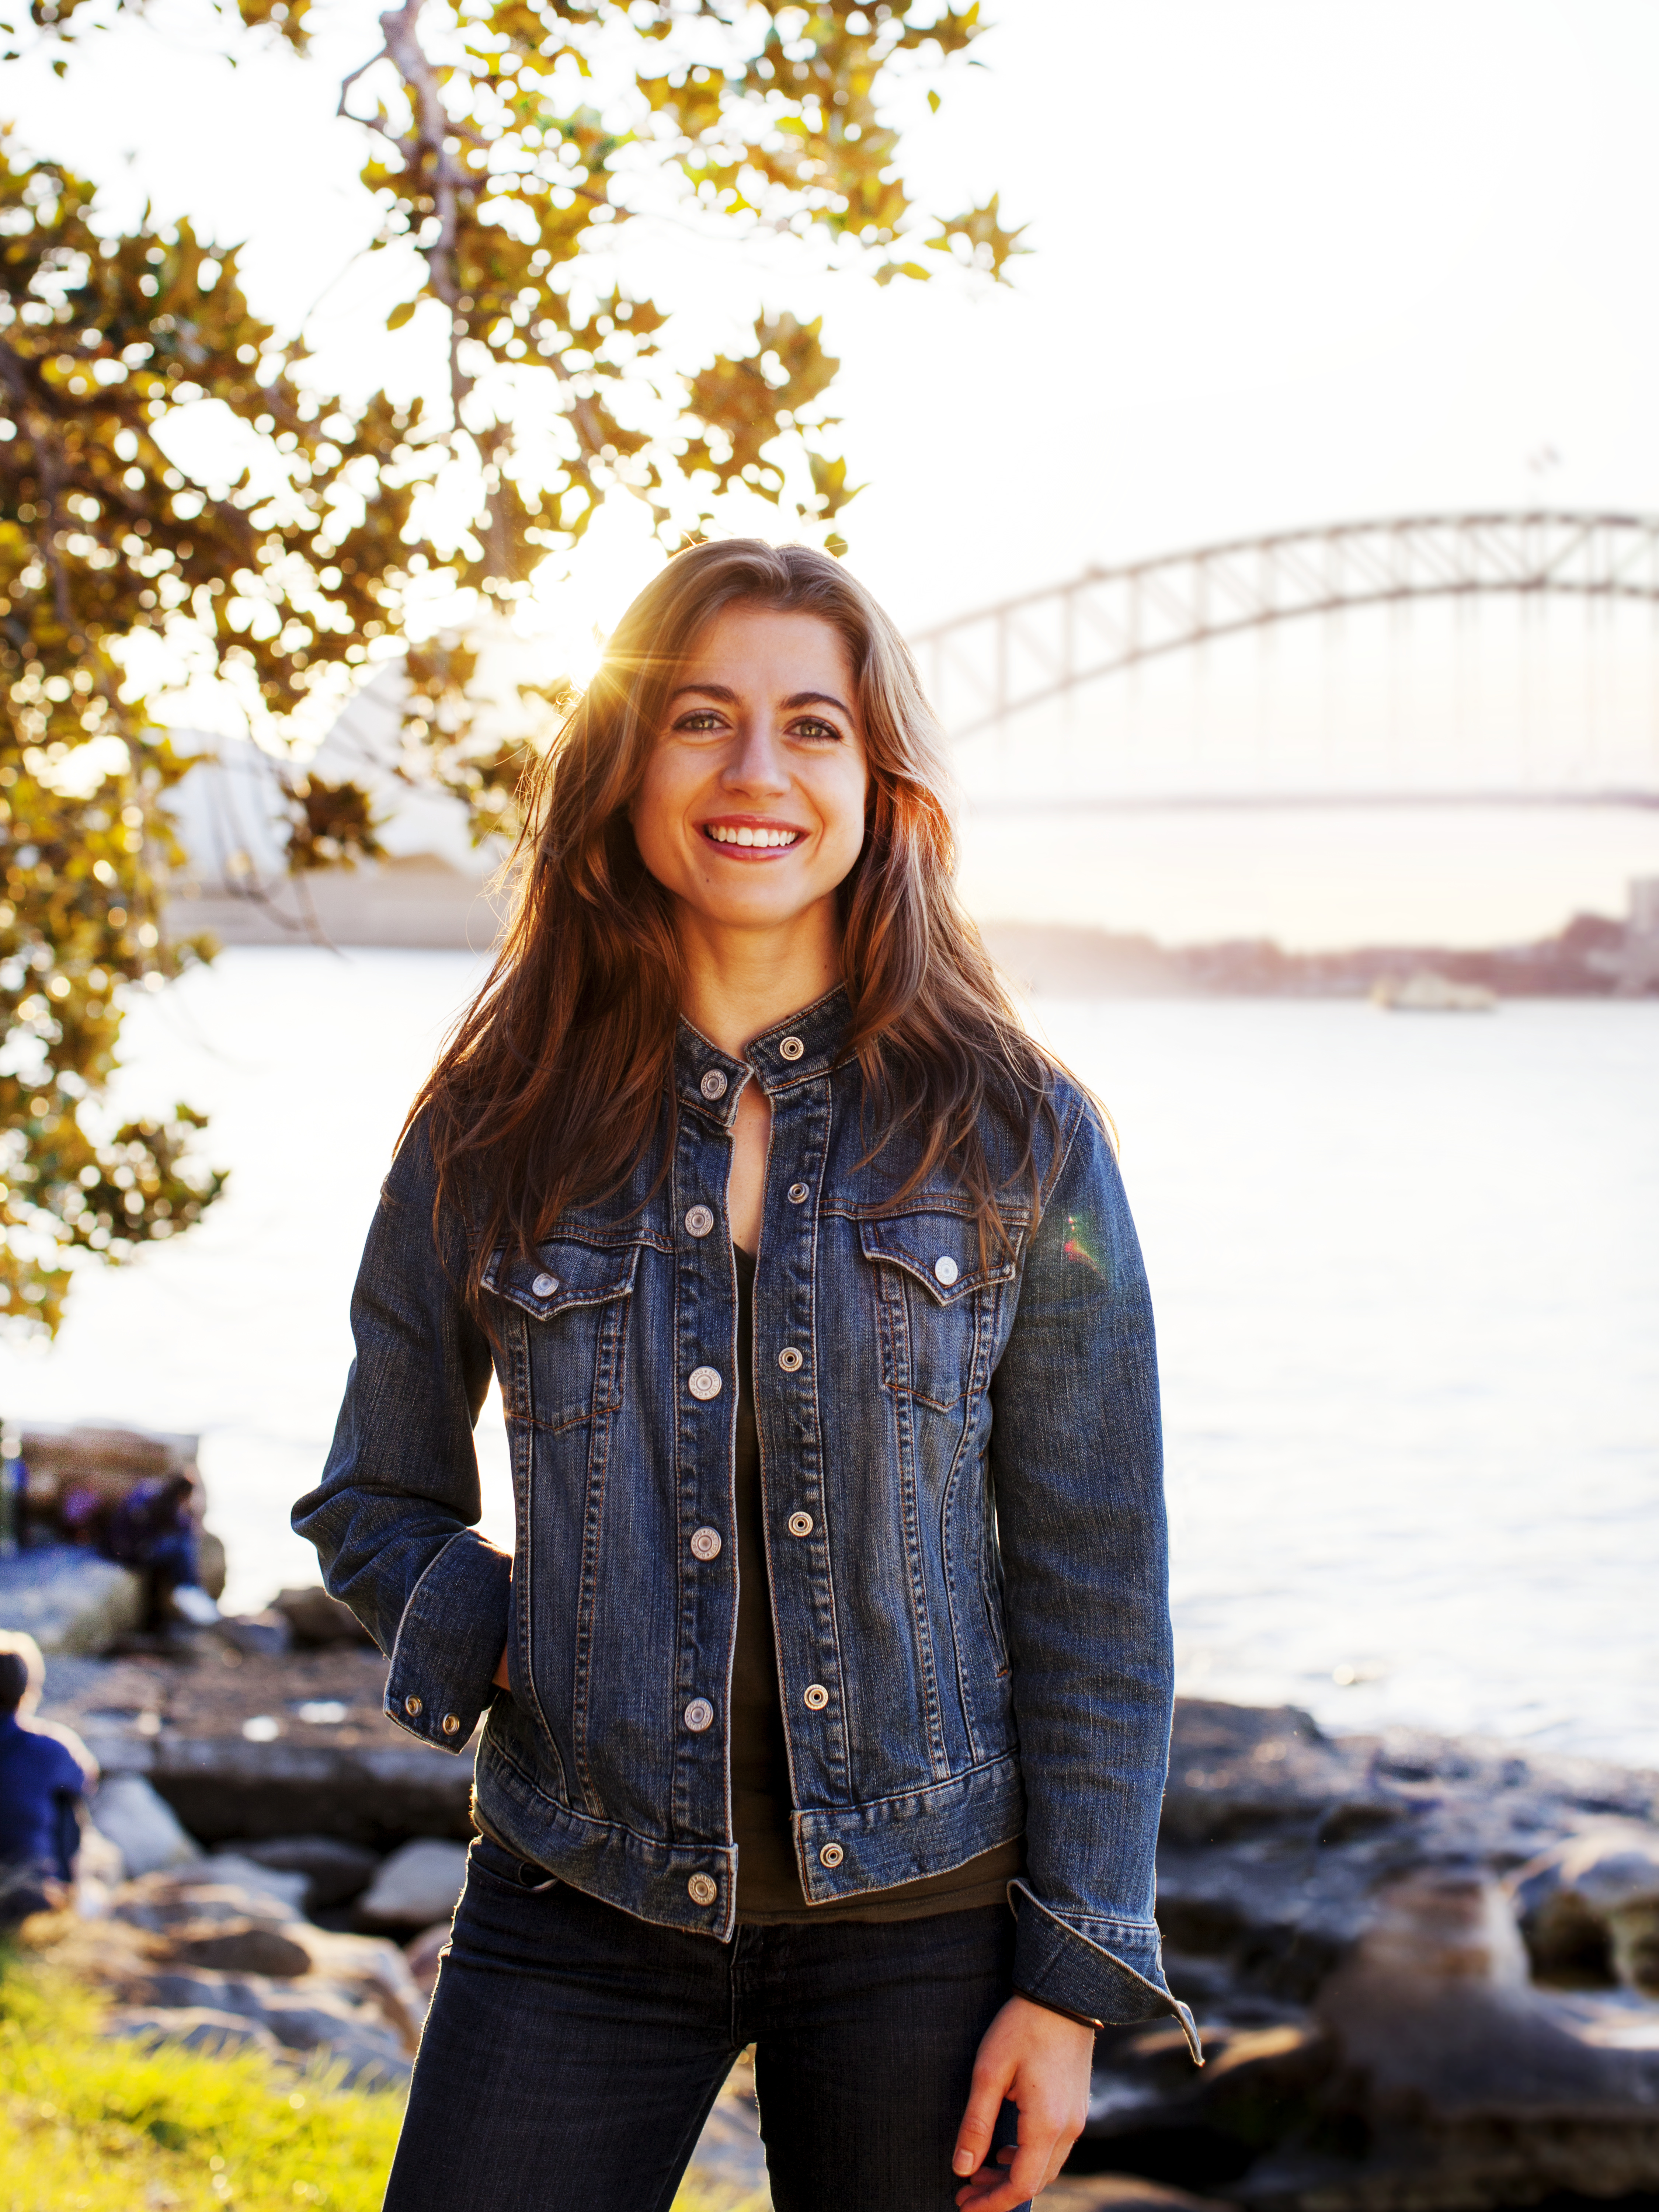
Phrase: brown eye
pixel 817 730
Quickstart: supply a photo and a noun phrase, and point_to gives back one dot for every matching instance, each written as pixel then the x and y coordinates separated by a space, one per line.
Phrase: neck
pixel 740 982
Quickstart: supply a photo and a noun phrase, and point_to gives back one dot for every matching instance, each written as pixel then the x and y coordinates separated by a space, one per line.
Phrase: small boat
pixel 1427 992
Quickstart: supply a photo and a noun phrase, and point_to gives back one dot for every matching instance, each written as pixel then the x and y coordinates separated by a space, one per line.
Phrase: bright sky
pixel 1293 262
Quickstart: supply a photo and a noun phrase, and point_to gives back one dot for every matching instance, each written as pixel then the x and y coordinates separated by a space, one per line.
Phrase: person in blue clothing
pixel 45 1772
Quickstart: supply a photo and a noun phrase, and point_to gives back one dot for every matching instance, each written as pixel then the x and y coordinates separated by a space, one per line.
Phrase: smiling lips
pixel 767 837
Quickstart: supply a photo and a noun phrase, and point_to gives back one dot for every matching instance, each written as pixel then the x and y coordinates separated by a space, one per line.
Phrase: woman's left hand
pixel 1041 2060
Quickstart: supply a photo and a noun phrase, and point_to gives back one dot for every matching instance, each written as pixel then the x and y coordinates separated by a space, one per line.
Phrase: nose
pixel 755 765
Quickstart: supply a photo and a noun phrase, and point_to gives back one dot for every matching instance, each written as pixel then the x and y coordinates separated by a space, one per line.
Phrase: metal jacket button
pixel 799 1193
pixel 699 1221
pixel 699 1715
pixel 545 1286
pixel 947 1269
pixel 831 1855
pixel 701 1889
pixel 411 1706
pixel 790 1048
pixel 712 1086
pixel 452 1724
pixel 789 1359
pixel 705 1543
pixel 703 1383
pixel 800 1524
pixel 815 1697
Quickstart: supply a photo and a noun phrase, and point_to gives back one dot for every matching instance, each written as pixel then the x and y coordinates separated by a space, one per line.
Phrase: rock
pixel 301 2018
pixel 1235 1769
pixel 729 2163
pixel 244 1948
pixel 1465 2084
pixel 267 1633
pixel 187 1949
pixel 373 1973
pixel 253 1886
pixel 1590 1907
pixel 195 2027
pixel 316 1620
pixel 376 1795
pixel 1122 2193
pixel 100 1870
pixel 141 1825
pixel 415 1887
pixel 69 1600
pixel 423 1955
pixel 334 1872
pixel 213 1894
pixel 211 1560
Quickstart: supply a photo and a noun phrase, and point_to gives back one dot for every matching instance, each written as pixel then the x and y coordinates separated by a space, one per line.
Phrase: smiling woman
pixel 836 1624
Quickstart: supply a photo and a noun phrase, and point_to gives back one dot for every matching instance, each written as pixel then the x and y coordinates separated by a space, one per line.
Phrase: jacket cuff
pixel 1068 1966
pixel 449 1642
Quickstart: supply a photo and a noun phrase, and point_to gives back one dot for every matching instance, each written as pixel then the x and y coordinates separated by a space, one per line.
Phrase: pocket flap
pixel 941 1250
pixel 561 1274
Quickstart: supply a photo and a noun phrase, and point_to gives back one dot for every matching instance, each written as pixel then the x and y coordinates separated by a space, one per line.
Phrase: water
pixel 1407 1270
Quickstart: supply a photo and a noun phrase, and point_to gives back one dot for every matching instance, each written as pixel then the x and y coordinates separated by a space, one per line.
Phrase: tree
pixel 510 143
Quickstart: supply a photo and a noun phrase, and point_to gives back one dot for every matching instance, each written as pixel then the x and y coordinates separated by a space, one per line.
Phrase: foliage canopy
pixel 510 144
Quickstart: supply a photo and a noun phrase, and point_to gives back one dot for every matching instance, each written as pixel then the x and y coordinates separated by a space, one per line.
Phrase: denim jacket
pixel 962 1473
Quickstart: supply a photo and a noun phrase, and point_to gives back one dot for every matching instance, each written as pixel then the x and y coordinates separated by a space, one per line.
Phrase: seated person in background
pixel 153 1528
pixel 45 1772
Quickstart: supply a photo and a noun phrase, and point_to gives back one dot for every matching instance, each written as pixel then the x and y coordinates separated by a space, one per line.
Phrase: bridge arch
pixel 1030 650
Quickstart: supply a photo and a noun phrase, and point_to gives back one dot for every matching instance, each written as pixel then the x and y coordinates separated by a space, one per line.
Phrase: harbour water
pixel 1406 1273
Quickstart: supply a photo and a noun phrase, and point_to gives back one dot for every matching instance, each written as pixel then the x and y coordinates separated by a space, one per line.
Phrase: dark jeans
pixel 572 2053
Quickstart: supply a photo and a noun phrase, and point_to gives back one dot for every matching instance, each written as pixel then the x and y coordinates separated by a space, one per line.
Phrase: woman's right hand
pixel 498 1678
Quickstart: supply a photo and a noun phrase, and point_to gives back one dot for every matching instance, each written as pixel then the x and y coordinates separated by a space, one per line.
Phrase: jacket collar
pixel 804 1046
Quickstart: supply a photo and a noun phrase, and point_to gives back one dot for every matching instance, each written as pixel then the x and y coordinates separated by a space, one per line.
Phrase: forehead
pixel 759 649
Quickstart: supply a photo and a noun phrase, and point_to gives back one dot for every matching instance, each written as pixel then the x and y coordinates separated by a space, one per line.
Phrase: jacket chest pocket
pixel 563 1365
pixel 937 1299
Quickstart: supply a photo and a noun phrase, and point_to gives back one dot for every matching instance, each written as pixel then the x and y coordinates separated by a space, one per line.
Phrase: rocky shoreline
pixel 1427 1971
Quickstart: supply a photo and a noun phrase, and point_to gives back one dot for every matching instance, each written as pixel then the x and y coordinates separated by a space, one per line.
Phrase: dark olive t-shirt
pixel 769 1883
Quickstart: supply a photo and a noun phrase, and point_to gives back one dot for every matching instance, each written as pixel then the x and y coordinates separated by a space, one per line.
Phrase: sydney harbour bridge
pixel 1006 670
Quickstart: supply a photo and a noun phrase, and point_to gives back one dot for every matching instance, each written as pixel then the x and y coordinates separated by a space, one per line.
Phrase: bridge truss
pixel 1000 661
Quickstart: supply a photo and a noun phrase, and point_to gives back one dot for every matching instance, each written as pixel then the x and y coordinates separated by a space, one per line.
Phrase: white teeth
pixel 748 837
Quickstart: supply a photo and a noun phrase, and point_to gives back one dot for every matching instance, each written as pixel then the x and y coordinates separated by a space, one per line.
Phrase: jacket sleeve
pixel 394 1518
pixel 1078 1473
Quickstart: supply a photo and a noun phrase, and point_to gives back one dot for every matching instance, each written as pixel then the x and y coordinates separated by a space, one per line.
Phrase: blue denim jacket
pixel 961 1471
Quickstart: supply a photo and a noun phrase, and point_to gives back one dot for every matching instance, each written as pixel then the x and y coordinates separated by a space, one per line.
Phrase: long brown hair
pixel 557 1078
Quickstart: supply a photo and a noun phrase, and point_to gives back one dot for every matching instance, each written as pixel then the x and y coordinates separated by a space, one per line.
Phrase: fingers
pixel 992 2082
pixel 1027 2168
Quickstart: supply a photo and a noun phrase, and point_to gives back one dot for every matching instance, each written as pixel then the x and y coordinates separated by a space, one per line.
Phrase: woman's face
pixel 752 808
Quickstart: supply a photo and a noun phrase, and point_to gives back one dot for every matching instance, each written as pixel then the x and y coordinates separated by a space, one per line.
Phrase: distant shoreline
pixel 1592 957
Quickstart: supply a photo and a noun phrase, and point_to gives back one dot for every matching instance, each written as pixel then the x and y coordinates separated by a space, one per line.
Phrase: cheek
pixel 653 813
pixel 841 798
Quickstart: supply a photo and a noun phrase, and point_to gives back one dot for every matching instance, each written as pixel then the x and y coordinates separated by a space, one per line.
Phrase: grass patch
pixel 87 2125
pixel 93 2126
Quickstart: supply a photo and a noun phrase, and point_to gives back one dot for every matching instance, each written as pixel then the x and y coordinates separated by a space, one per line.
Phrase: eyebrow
pixel 724 692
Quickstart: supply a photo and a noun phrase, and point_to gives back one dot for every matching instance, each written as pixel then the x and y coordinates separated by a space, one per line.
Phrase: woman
pixel 803 1673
